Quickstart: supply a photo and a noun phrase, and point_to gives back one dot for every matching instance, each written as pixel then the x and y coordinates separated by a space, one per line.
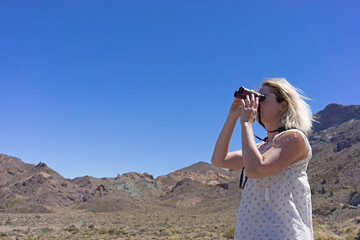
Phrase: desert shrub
pixel 46 230
pixel 91 226
pixel 121 232
pixel 350 232
pixel 114 231
pixel 8 221
pixel 175 231
pixel 326 235
pixel 200 235
pixel 229 233
pixel 323 181
pixel 72 229
pixel 103 231
pixel 340 166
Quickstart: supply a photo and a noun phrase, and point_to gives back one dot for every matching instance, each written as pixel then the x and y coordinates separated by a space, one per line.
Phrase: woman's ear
pixel 283 105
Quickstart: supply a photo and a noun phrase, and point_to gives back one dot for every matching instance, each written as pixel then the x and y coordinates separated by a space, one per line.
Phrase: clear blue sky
pixel 101 88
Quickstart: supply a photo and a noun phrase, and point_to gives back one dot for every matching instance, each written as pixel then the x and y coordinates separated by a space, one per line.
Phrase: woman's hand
pixel 249 109
pixel 235 109
pixel 221 156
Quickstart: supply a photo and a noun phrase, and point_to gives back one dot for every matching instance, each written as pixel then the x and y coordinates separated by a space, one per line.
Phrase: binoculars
pixel 243 92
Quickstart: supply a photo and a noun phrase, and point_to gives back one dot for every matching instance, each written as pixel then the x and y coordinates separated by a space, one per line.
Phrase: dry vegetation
pixel 138 224
pixel 325 228
pixel 147 223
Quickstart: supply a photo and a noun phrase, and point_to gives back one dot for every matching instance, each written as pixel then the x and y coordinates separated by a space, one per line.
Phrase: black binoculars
pixel 243 92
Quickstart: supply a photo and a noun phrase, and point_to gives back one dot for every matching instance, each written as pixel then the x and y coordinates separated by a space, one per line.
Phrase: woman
pixel 276 200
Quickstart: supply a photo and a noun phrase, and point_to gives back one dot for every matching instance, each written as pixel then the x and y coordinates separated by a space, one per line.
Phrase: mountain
pixel 114 194
pixel 11 168
pixel 335 114
pixel 334 170
pixel 333 175
pixel 25 187
pixel 200 172
pixel 183 188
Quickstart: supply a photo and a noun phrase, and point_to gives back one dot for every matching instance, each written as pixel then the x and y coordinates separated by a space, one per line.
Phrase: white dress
pixel 277 206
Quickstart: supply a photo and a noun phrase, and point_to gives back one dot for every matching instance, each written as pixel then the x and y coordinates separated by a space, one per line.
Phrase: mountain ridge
pixel 335 114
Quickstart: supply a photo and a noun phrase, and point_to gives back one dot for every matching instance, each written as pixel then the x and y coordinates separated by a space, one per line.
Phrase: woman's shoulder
pixel 290 134
pixel 289 137
pixel 294 139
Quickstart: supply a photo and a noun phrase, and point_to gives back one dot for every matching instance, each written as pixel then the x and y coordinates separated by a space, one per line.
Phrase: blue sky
pixel 101 88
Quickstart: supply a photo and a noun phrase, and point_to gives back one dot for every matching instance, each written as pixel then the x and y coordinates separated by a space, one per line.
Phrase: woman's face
pixel 270 109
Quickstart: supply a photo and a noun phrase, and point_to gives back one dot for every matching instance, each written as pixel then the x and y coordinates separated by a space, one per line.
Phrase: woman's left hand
pixel 249 109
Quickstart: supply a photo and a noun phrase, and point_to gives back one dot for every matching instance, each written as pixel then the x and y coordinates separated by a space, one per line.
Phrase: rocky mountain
pixel 200 172
pixel 27 187
pixel 333 174
pixel 334 169
pixel 41 189
pixel 335 114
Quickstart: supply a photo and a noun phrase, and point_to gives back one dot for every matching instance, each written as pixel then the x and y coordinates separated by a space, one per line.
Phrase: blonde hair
pixel 298 113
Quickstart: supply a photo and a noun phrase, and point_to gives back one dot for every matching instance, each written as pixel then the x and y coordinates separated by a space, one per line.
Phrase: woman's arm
pixel 221 156
pixel 287 149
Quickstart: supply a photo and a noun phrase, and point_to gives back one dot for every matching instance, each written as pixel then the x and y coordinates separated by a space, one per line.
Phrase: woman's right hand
pixel 235 109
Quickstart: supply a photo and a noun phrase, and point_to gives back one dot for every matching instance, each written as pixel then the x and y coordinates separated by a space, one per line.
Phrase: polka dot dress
pixel 277 206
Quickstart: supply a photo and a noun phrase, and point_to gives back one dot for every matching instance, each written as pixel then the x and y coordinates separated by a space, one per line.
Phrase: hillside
pixel 334 170
pixel 27 188
pixel 335 114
